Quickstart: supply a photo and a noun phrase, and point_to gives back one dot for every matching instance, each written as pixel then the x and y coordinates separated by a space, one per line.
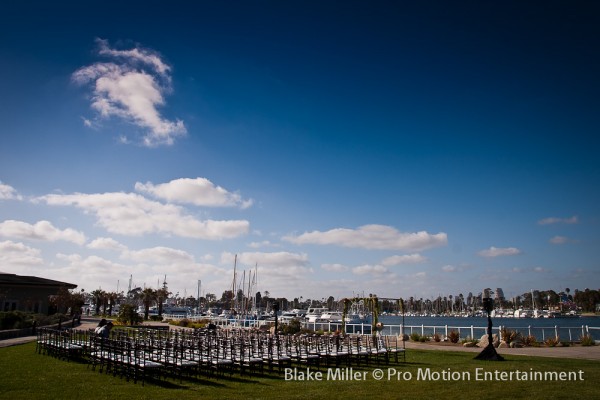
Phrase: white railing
pixel 566 333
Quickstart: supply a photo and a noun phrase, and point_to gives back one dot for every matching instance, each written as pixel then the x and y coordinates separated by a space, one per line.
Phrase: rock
pixel 469 344
pixel 404 337
pixel 503 344
pixel 483 341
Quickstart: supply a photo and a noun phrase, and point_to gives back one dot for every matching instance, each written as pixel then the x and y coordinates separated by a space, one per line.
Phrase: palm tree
pixel 111 297
pixel 148 295
pixel 98 295
pixel 104 300
pixel 161 295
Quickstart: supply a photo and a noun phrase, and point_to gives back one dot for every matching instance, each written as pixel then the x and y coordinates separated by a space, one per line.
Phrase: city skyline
pixel 338 149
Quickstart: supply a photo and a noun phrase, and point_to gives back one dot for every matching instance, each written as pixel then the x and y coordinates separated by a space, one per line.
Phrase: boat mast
pixel 198 298
pixel 233 286
pixel 248 296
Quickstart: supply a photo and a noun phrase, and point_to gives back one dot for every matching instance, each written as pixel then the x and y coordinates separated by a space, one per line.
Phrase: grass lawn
pixel 28 375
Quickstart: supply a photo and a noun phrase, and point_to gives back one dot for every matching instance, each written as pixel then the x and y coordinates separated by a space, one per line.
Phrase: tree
pixel 77 301
pixel 210 298
pixel 258 298
pixel 67 300
pixel 111 299
pixel 330 301
pixel 148 295
pixel 104 300
pixel 162 295
pixel 98 295
pixel 128 315
pixel 226 298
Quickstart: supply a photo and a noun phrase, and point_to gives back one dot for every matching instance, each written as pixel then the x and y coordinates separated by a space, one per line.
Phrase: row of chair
pixel 137 354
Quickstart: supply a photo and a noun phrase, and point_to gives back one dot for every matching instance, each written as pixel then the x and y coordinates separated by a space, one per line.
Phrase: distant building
pixel 499 294
pixel 28 293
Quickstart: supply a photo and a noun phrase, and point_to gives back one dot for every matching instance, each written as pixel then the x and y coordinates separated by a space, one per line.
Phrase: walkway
pixel 580 352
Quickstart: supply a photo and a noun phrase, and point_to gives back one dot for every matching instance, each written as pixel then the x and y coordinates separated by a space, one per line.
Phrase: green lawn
pixel 28 375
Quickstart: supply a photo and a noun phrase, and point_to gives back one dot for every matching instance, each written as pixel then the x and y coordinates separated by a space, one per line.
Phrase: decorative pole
pixel 489 352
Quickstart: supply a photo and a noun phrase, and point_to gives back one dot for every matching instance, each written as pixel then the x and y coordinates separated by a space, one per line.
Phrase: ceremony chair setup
pixel 140 354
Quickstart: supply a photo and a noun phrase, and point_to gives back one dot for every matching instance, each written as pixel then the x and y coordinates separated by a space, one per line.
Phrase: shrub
pixel 552 342
pixel 21 320
pixel 128 315
pixel 184 322
pixel 415 336
pixel 294 326
pixel 156 318
pixel 509 335
pixel 14 320
pixel 454 336
pixel 529 341
pixel 437 337
pixel 587 340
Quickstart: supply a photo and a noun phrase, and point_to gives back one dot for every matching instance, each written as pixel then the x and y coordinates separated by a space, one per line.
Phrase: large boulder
pixel 483 341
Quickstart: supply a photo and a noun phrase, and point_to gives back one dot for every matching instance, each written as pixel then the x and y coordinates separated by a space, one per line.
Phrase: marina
pixel 566 329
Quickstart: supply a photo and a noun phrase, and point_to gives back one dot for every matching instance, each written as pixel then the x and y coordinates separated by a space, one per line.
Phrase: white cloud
pixel 132 89
pixel 97 272
pixel 104 243
pixel 264 243
pixel 276 270
pixel 275 259
pixel 159 255
pixel 132 214
pixel 448 268
pixel 379 237
pixel 404 259
pixel 540 269
pixel 18 255
pixel 334 267
pixel 498 252
pixel 553 220
pixel 199 191
pixel 144 56
pixel 7 192
pixel 561 240
pixel 42 230
pixel 370 269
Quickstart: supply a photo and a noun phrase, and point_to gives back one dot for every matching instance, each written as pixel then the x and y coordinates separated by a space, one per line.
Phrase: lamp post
pixel 276 310
pixel 489 352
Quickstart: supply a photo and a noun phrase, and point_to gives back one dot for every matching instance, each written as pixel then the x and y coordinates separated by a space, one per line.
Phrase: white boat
pixel 287 317
pixel 357 318
pixel 176 310
pixel 331 316
pixel 314 313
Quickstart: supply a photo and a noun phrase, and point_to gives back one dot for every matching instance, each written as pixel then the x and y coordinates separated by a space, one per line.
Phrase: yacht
pixel 314 313
pixel 331 316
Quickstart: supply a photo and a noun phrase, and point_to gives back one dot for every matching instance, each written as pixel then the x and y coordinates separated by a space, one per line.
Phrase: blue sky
pixel 342 148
